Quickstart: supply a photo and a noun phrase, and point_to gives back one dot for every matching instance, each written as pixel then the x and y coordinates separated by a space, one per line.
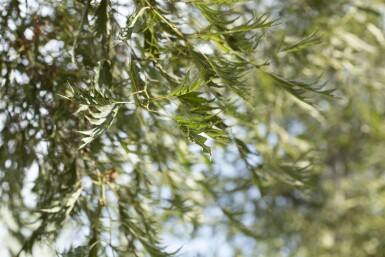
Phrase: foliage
pixel 340 214
pixel 137 119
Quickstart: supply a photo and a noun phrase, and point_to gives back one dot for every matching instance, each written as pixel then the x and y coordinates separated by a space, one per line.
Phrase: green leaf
pixel 217 18
pixel 137 83
pixel 193 99
pixel 243 42
pixel 153 250
pixel 252 24
pixel 80 251
pixel 196 124
pixel 103 77
pixel 210 2
pixel 169 24
pixel 242 146
pixel 102 23
pixel 230 72
pixel 133 24
pixel 72 200
pixel 218 135
pixel 90 97
pixel 308 41
pixel 219 25
pixel 299 88
pixel 191 129
pixel 187 85
pixel 103 118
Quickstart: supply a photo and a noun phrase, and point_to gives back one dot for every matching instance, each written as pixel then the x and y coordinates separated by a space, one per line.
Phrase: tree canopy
pixel 136 128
